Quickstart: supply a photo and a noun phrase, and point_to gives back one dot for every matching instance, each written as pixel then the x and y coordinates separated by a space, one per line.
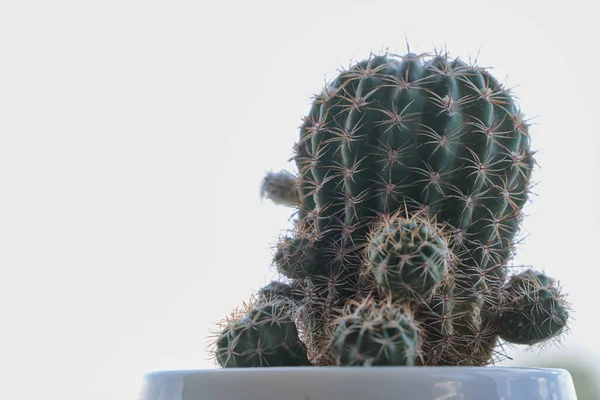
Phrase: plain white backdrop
pixel 134 135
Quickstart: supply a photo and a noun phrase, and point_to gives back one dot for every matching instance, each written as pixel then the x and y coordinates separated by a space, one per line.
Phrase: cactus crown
pixel 412 175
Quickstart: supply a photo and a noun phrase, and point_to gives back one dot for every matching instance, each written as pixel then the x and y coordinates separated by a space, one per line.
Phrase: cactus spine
pixel 413 172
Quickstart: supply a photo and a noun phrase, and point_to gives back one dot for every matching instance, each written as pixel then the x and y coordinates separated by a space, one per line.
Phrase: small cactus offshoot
pixel 280 188
pixel 531 309
pixel 265 336
pixel 376 333
pixel 412 175
pixel 408 257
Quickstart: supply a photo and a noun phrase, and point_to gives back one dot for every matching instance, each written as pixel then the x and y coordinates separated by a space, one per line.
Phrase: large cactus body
pixel 413 172
pixel 439 137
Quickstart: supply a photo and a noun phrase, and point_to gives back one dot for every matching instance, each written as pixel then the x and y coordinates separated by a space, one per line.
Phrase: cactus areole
pixel 412 175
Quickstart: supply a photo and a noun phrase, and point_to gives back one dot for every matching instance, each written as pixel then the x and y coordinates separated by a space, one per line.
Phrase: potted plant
pixel 412 174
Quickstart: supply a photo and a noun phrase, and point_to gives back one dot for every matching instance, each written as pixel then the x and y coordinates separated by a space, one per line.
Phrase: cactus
pixel 265 336
pixel 408 257
pixel 375 333
pixel 531 309
pixel 412 175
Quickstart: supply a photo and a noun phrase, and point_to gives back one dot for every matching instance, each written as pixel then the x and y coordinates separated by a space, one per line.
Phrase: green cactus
pixel 275 291
pixel 375 333
pixel 413 172
pixel 531 310
pixel 408 257
pixel 265 336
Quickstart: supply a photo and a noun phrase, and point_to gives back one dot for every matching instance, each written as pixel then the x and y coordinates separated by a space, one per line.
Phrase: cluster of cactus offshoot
pixel 412 174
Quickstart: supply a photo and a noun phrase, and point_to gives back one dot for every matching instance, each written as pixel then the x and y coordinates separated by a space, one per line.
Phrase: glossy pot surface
pixel 360 383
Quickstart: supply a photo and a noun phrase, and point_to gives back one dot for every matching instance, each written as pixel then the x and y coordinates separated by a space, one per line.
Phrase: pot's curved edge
pixel 174 384
pixel 163 385
pixel 182 372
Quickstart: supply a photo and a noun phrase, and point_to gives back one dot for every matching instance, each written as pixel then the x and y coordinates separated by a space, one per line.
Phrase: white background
pixel 134 135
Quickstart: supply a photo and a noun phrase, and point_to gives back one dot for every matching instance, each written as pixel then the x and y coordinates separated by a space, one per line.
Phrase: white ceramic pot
pixel 361 383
